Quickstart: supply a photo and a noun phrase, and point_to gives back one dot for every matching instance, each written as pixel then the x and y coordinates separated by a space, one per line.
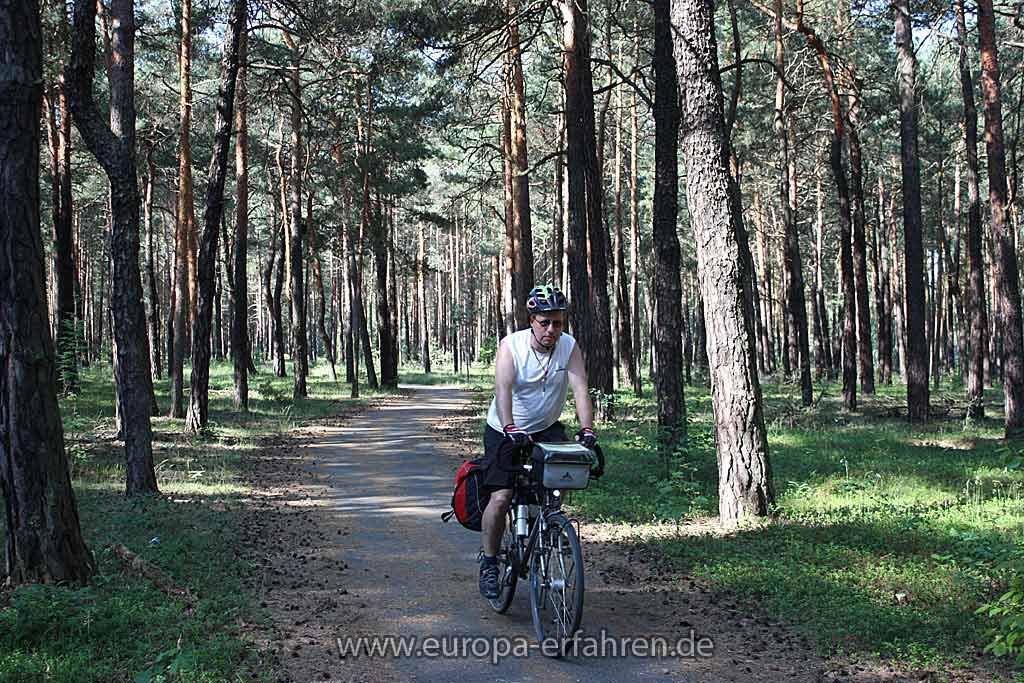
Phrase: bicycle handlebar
pixel 595 472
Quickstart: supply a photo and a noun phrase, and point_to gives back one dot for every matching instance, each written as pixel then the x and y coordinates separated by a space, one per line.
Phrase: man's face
pixel 547 327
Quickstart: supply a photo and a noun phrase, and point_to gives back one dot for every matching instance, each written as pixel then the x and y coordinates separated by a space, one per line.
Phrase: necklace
pixel 544 367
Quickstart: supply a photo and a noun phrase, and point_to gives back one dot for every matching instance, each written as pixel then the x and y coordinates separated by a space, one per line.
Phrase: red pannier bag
pixel 470 497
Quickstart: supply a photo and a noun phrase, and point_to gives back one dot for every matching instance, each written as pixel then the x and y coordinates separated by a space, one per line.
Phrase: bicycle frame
pixel 538 524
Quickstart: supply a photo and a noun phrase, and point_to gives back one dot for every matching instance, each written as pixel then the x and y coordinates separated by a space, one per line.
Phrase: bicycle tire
pixel 556 584
pixel 507 576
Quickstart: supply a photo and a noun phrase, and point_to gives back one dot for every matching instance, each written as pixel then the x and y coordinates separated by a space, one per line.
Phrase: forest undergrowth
pixel 885 542
pixel 886 538
pixel 198 626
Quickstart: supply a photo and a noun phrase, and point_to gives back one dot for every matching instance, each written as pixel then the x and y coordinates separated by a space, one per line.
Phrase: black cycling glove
pixel 587 437
pixel 516 435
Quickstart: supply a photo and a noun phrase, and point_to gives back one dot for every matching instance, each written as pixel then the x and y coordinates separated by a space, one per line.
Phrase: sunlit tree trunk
pixel 846 277
pixel 114 148
pixel 241 352
pixel 916 347
pixel 522 227
pixel 745 477
pixel 1007 278
pixel 297 289
pixel 978 346
pixel 199 387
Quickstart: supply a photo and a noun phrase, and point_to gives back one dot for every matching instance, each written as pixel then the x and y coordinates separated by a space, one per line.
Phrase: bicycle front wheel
pixel 508 560
pixel 556 583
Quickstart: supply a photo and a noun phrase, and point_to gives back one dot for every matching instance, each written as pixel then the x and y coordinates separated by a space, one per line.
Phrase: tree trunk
pixel 558 211
pixel 378 230
pixel 591 311
pixel 796 306
pixel 421 312
pixel 883 318
pixel 185 274
pixel 745 477
pixel 1007 279
pixel 318 282
pixel 574 61
pixel 509 282
pixel 522 226
pixel 849 336
pixel 600 359
pixel 199 389
pixel 916 347
pixel 865 362
pixel 241 353
pixel 300 358
pixel 668 384
pixel 65 271
pixel 975 365
pixel 362 326
pixel 634 240
pixel 274 298
pixel 154 300
pixel 623 317
pixel 766 295
pixel 114 148
pixel 44 539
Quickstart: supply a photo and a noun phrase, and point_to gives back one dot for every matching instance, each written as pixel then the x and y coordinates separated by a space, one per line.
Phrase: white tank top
pixel 540 385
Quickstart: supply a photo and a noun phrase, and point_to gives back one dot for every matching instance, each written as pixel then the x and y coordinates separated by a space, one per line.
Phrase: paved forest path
pixel 360 550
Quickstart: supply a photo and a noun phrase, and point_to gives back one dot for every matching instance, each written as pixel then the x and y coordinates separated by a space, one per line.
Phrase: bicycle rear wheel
pixel 508 556
pixel 556 583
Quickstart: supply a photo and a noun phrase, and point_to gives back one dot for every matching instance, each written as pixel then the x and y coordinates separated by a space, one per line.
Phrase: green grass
pixel 886 540
pixel 121 627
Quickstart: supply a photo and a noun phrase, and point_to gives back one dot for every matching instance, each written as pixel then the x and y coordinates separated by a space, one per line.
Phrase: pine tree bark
pixel 796 305
pixel 44 541
pixel 745 476
pixel 184 300
pixel 557 253
pixel 865 361
pixel 846 277
pixel 114 148
pixel 199 389
pixel 623 310
pixel 153 319
pixel 668 384
pixel 634 240
pixel 522 226
pixel 766 294
pixel 241 353
pixel 586 192
pixel 1007 277
pixel 421 288
pixel 881 272
pixel 300 358
pixel 576 216
pixel 916 346
pixel 318 282
pixel 277 303
pixel 379 232
pixel 978 346
pixel 65 270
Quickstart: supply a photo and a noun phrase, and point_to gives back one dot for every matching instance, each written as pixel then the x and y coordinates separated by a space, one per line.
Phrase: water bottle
pixel 522 520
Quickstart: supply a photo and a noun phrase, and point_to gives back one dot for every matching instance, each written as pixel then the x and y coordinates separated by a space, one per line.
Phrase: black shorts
pixel 499 452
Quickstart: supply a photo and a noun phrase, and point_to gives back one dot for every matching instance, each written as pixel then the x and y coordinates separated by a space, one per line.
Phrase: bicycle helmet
pixel 544 298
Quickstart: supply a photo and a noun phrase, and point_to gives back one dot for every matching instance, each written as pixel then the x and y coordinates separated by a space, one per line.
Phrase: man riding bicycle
pixel 532 372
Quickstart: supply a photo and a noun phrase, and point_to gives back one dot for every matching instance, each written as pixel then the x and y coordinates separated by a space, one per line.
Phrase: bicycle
pixel 541 544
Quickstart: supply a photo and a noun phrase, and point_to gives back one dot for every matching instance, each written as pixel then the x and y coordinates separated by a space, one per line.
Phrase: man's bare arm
pixel 504 378
pixel 580 390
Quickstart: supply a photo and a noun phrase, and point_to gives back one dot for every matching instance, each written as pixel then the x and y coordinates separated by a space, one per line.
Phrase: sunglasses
pixel 556 324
